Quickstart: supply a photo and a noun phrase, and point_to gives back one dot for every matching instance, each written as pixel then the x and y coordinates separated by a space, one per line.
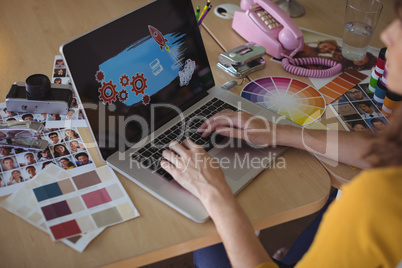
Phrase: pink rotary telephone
pixel 264 23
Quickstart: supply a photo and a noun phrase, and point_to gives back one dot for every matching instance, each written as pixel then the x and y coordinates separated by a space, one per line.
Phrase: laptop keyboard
pixel 150 155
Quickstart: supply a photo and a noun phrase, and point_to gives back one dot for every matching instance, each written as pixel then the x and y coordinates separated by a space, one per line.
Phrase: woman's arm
pixel 342 146
pixel 196 171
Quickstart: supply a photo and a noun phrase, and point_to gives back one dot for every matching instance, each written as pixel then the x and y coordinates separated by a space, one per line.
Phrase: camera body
pixel 38 95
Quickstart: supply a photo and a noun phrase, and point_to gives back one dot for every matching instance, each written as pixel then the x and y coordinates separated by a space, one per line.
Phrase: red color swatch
pixel 96 198
pixel 65 229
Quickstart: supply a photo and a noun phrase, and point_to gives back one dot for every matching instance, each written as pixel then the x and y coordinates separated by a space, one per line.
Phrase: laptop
pixel 144 80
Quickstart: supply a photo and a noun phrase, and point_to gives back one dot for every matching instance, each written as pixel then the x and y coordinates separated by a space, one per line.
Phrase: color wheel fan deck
pixel 288 97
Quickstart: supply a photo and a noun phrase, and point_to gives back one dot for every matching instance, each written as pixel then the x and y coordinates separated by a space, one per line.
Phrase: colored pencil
pixel 197 13
pixel 205 8
pixel 204 15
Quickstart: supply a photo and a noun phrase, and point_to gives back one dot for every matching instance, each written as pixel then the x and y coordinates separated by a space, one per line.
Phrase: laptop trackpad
pixel 237 161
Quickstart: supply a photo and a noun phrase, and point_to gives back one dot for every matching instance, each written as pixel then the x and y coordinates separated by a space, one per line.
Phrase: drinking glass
pixel 360 22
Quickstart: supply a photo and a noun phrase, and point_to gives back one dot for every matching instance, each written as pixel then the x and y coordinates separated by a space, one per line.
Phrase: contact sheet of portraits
pixel 66 149
pixel 357 111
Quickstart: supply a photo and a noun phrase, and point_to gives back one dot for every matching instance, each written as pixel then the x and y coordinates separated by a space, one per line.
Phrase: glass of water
pixel 360 22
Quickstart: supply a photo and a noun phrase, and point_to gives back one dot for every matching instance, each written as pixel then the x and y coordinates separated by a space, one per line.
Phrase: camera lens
pixel 37 87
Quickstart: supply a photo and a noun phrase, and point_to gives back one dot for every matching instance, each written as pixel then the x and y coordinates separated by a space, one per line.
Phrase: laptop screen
pixel 136 72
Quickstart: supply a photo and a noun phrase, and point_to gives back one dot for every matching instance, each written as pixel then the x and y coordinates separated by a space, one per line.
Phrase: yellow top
pixel 364 227
pixel 267 265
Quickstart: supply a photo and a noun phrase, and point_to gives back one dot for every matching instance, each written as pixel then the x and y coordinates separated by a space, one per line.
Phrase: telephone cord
pixel 291 65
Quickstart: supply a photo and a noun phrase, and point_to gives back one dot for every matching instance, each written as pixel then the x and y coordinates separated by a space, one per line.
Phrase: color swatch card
pixel 341 84
pixel 82 203
pixel 291 98
pixel 23 204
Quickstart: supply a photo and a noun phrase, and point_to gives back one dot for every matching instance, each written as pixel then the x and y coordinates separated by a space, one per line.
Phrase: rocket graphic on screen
pixel 158 37
pixel 143 68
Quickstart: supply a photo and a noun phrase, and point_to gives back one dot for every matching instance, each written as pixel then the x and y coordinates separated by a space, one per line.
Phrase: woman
pixel 15 177
pixel 44 155
pixel 66 163
pixel 361 229
pixel 60 150
pixel 70 135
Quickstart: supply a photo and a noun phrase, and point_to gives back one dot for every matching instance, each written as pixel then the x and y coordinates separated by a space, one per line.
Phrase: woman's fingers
pixel 225 118
pixel 230 132
pixel 173 158
pixel 191 145
pixel 178 148
pixel 170 168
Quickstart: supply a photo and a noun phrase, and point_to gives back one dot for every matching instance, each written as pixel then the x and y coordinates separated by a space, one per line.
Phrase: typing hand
pixel 194 169
pixel 253 129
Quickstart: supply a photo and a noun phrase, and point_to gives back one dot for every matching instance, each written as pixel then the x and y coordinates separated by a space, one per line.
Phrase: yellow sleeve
pixel 267 265
pixel 363 227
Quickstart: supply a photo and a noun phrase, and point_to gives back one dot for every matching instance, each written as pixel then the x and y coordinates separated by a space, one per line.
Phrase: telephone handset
pixel 265 23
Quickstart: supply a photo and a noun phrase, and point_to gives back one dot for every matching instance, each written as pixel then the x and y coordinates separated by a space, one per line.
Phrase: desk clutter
pixel 266 24
pixel 30 141
pixel 296 100
pixel 72 208
pixel 368 106
pixel 305 104
pixel 58 188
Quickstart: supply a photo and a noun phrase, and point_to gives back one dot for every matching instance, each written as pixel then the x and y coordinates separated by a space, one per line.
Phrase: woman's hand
pixel 193 168
pixel 199 173
pixel 253 129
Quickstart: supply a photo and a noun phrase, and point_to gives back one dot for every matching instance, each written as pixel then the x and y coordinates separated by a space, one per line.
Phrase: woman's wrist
pixel 286 135
pixel 216 200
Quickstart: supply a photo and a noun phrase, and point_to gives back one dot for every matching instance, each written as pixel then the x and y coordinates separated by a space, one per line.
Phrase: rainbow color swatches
pixel 291 98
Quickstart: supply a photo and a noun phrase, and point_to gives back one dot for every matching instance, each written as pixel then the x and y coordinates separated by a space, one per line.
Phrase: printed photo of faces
pixel 17 165
pixel 6 115
pixel 72 114
pixel 66 149
pixel 358 111
pixel 60 73
pixel 75 113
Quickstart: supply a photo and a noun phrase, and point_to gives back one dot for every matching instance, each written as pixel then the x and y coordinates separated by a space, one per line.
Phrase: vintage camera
pixel 38 95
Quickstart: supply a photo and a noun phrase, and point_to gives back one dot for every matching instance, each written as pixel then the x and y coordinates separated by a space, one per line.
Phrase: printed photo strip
pixel 75 116
pixel 357 111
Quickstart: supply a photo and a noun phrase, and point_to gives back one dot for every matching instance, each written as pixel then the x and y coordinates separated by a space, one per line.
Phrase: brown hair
pixel 386 148
pixel 332 42
pixel 398 8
